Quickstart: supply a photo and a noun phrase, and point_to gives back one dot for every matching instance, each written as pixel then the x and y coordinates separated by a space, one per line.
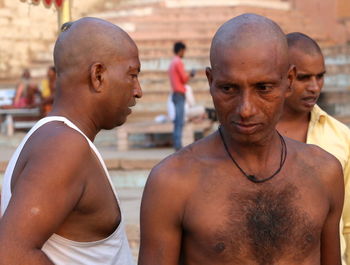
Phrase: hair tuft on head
pixel 66 26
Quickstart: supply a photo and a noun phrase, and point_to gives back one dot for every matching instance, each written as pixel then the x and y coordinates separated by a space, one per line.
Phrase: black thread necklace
pixel 253 178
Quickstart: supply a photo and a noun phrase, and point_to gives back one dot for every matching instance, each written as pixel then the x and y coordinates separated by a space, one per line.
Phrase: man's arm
pixel 180 69
pixel 46 191
pixel 330 243
pixel 161 218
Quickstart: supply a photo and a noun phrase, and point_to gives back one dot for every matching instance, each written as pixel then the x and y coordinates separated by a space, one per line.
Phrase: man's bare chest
pixel 261 224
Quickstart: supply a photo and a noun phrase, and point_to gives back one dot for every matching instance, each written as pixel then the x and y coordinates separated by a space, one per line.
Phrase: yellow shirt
pixel 45 88
pixel 334 137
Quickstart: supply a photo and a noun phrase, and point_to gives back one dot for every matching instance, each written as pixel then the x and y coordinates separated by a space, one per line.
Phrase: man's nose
pixel 137 90
pixel 314 85
pixel 246 106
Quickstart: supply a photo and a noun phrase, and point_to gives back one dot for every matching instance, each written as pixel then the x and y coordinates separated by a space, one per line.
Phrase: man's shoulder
pixel 173 63
pixel 308 152
pixel 176 60
pixel 58 139
pixel 330 134
pixel 313 156
pixel 53 155
pixel 330 123
pixel 315 163
pixel 186 162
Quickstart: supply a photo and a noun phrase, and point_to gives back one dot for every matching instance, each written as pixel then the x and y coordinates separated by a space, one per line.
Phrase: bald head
pixel 88 40
pixel 248 31
pixel 303 43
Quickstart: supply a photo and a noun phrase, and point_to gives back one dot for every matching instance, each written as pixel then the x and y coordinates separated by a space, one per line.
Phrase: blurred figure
pixel 193 112
pixel 25 92
pixel 178 79
pixel 48 86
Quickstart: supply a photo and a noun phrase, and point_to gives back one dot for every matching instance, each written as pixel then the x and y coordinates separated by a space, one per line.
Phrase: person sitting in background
pixel 48 90
pixel 25 92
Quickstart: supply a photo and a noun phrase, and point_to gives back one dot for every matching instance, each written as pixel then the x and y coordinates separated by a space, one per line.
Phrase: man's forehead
pixel 130 61
pixel 264 54
pixel 304 60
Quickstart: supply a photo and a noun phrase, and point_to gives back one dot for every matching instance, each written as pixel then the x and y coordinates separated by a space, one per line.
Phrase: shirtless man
pixel 245 194
pixel 58 203
pixel 305 121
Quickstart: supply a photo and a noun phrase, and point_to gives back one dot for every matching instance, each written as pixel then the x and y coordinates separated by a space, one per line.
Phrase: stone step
pixel 272 4
pixel 151 98
pixel 207 14
pixel 159 42
pixel 336 68
pixel 337 82
pixel 167 52
pixel 157 74
pixel 162 64
pixel 337 51
pixel 159 104
pixel 147 50
pixel 336 103
pixel 159 85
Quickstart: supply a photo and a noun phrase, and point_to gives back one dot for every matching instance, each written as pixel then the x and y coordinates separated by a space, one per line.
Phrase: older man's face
pixel 248 89
pixel 123 88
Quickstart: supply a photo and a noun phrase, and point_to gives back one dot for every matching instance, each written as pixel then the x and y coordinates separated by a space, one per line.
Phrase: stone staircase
pixel 155 27
pixel 159 27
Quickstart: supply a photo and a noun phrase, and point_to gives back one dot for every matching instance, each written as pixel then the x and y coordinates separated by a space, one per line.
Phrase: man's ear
pixel 208 73
pixel 97 74
pixel 292 73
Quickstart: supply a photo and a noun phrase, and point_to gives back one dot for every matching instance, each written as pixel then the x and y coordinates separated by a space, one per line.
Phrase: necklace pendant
pixel 252 178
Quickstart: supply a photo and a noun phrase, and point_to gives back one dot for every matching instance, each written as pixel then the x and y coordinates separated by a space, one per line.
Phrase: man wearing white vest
pixel 58 203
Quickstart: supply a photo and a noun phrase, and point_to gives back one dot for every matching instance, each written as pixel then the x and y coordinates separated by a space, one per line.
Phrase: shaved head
pixel 88 40
pixel 97 67
pixel 307 57
pixel 303 43
pixel 250 76
pixel 246 31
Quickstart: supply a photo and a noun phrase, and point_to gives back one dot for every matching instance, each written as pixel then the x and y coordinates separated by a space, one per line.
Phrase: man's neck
pixel 294 124
pixel 81 120
pixel 259 159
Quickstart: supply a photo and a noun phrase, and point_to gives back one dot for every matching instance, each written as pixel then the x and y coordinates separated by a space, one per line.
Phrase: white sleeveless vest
pixel 113 250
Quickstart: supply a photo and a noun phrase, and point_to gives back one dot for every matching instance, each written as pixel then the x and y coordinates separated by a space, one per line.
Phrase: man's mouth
pixel 310 101
pixel 130 108
pixel 245 127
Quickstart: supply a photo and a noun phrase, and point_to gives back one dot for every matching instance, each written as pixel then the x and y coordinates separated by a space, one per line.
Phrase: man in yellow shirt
pixel 304 121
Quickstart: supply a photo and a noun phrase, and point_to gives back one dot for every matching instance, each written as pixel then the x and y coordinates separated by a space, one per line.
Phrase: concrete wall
pixel 31 29
pixel 326 14
pixel 343 9
pixel 28 33
pixel 274 4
